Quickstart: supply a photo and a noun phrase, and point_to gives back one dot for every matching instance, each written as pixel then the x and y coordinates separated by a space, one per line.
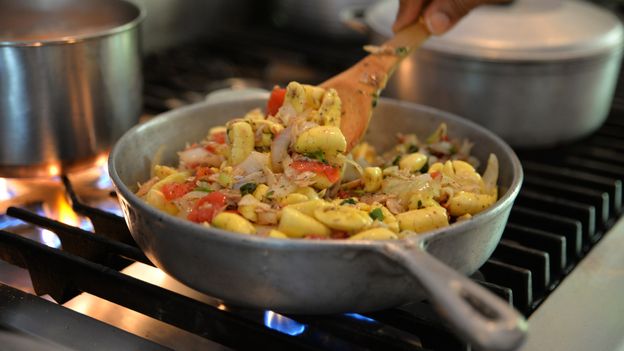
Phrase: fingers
pixel 409 11
pixel 442 15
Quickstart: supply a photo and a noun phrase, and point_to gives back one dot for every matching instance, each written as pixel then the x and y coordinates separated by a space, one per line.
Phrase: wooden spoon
pixel 359 86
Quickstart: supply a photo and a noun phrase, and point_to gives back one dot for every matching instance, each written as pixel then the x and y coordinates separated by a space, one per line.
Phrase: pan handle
pixel 480 317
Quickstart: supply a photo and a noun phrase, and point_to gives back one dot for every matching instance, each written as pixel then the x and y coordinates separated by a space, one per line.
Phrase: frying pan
pixel 326 276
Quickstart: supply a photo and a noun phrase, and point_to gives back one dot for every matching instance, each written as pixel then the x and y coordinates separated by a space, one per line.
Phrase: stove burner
pixel 283 324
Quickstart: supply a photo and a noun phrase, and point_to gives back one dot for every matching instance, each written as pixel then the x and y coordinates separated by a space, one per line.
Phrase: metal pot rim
pixel 135 22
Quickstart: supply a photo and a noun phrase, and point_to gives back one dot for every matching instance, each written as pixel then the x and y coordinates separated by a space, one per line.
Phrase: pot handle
pixel 480 317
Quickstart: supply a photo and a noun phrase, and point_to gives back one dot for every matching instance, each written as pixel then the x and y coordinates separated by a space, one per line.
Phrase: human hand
pixel 439 15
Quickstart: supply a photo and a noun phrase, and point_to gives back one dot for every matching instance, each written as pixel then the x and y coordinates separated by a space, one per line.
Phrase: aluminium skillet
pixel 326 276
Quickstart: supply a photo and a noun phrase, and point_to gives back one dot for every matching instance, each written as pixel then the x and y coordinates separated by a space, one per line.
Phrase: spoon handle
pixel 410 37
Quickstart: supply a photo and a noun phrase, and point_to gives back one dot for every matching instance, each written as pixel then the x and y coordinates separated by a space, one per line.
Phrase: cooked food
pixel 284 173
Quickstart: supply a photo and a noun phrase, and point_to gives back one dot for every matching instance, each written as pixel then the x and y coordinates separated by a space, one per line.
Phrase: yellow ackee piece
pixel 241 140
pixel 413 162
pixel 343 218
pixel 423 219
pixel 389 219
pixel 175 178
pixel 331 109
pixel 293 198
pixel 373 178
pixel 157 199
pixel 364 151
pixel 249 212
pixel 465 202
pixel 297 225
pixel 164 171
pixel 261 191
pixel 328 139
pixel 308 207
pixel 233 223
pixel 375 234
pixel 295 96
pixel 277 234
pixel 309 192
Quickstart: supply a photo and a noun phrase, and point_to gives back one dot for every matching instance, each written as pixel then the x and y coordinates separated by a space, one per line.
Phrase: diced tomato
pixel 210 148
pixel 316 237
pixel 174 191
pixel 332 173
pixel 218 138
pixel 342 194
pixel 201 172
pixel 435 175
pixel 276 100
pixel 339 235
pixel 206 208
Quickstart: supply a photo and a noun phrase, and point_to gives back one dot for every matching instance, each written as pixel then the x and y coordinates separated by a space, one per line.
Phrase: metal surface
pixel 525 30
pixel 140 324
pixel 60 328
pixel 70 82
pixel 315 277
pixel 585 312
pixel 530 96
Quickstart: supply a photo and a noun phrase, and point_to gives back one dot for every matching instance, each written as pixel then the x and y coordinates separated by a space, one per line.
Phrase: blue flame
pixel 360 317
pixel 50 239
pixel 7 222
pixel 283 324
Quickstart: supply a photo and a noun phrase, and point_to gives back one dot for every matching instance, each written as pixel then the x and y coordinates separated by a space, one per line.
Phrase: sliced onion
pixel 279 147
pixel 199 155
pixel 353 170
pixel 490 176
pixel 405 188
pixel 395 206
pixel 282 187
pixel 255 162
pixel 256 177
pixel 442 147
pixel 250 200
pixel 267 217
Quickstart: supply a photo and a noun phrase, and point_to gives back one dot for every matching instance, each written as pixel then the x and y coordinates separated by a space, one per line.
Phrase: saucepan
pixel 70 82
pixel 326 276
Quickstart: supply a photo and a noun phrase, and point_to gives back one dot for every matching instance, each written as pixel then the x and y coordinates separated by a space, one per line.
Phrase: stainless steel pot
pixel 70 82
pixel 536 72
pixel 331 276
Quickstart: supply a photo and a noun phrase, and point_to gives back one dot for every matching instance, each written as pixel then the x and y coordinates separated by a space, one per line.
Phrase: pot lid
pixel 522 30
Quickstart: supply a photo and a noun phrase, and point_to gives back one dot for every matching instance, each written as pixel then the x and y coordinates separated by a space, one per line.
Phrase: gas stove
pixel 73 278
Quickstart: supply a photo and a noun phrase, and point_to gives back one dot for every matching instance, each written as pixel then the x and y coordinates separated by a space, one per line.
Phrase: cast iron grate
pixel 570 198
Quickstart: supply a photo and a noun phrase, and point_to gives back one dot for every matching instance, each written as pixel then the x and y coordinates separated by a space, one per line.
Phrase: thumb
pixel 442 15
